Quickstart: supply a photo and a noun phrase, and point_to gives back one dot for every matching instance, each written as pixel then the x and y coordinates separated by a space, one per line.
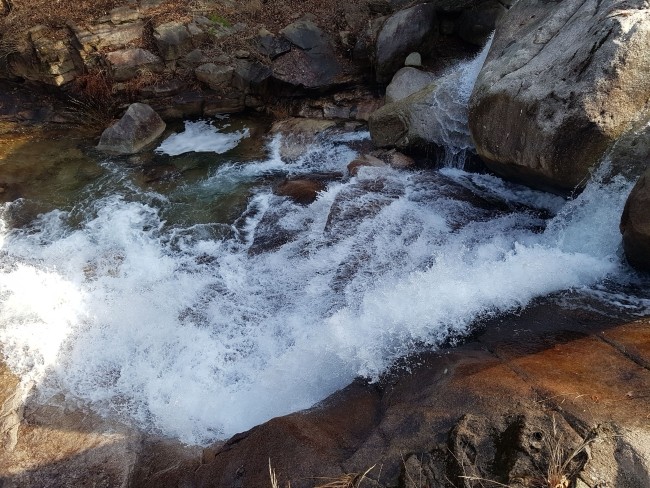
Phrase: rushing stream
pixel 202 304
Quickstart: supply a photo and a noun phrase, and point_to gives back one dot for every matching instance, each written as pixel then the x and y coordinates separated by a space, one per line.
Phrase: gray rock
pixel 173 40
pixel 413 59
pixel 630 154
pixel 635 224
pixel 403 32
pixel 475 24
pixel 251 76
pixel 193 59
pixel 128 63
pixel 95 38
pixel 137 128
pixel 307 36
pixel 272 46
pixel 217 77
pixel 298 134
pixel 428 119
pixel 406 82
pixel 562 81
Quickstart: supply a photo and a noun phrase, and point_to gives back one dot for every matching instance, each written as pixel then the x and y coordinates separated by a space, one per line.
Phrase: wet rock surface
pixel 546 106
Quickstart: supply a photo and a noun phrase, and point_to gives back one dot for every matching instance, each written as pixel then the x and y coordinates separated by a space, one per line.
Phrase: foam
pixel 201 136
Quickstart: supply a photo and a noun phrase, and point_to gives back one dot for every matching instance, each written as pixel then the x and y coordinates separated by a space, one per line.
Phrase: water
pixel 202 306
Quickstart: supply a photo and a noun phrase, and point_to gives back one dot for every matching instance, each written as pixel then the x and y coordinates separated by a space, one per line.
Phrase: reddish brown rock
pixel 302 191
pixel 366 160
pixel 635 224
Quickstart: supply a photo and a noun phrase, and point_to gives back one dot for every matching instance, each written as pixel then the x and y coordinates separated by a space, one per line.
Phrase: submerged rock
pixel 298 134
pixel 561 82
pixel 137 128
pixel 635 224
pixel 304 191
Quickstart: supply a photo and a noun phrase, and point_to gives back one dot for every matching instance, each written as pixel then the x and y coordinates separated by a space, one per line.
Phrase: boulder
pixel 406 82
pixel 630 154
pixel 402 33
pixel 97 37
pixel 137 128
pixel 271 46
pixel 561 82
pixel 477 23
pixel 431 118
pixel 635 224
pixel 314 64
pixel 46 58
pixel 174 39
pixel 251 76
pixel 366 160
pixel 217 77
pixel 413 59
pixel 129 63
pixel 307 36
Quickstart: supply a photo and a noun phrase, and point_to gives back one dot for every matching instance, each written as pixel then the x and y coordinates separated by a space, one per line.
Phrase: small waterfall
pixel 450 103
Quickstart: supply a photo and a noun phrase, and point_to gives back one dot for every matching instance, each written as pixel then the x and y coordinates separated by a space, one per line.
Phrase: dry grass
pixel 350 480
pixel 562 466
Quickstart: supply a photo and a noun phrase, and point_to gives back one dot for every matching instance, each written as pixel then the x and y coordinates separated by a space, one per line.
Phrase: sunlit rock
pixel 137 128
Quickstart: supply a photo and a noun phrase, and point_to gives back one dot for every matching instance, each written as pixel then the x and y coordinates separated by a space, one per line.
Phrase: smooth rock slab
pixel 137 128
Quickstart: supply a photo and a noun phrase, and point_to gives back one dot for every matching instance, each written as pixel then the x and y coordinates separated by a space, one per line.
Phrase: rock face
pixel 401 34
pixel 635 224
pixel 139 127
pixel 561 82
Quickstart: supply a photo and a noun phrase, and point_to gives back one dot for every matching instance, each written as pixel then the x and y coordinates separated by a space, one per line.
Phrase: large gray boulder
pixel 561 82
pixel 406 82
pixel 635 224
pixel 312 64
pixel 137 128
pixel 402 33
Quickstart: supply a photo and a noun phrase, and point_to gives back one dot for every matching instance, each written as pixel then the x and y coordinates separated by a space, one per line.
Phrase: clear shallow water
pixel 197 303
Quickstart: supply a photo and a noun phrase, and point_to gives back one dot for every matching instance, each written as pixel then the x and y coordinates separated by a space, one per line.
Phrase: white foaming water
pixel 201 136
pixel 449 108
pixel 200 338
